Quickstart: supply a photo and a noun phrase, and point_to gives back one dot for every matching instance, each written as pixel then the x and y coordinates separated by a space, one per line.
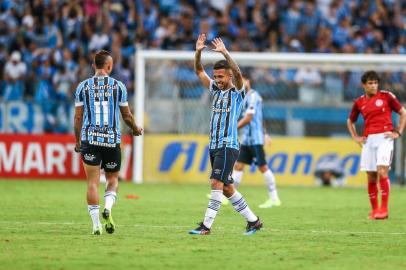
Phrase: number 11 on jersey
pixel 98 105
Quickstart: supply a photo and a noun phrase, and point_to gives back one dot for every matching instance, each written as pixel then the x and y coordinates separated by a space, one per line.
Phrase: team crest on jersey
pixel 379 102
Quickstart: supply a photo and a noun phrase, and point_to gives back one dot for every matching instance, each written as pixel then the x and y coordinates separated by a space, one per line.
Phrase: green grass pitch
pixel 45 225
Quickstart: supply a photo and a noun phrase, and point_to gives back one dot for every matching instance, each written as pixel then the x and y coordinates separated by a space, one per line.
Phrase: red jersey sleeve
pixel 354 112
pixel 393 102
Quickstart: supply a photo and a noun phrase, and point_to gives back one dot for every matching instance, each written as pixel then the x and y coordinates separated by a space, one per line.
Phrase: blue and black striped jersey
pixel 101 98
pixel 253 132
pixel 226 108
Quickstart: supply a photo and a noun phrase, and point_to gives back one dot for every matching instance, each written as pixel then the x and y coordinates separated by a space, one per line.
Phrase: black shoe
pixel 202 230
pixel 253 227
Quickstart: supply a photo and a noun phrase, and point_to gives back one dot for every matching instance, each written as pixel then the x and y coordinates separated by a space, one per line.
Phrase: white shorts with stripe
pixel 377 151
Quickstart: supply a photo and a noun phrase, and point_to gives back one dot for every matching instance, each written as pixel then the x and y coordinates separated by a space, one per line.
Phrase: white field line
pixel 282 231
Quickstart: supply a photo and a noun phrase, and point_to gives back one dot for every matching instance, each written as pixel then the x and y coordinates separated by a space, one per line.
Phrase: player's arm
pixel 125 111
pixel 221 48
pixel 395 105
pixel 78 117
pixel 351 126
pixel 77 126
pixel 129 120
pixel 199 70
pixel 402 122
pixel 245 120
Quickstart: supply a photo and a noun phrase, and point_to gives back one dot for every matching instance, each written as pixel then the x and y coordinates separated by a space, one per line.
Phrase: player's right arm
pixel 351 126
pixel 199 70
pixel 78 118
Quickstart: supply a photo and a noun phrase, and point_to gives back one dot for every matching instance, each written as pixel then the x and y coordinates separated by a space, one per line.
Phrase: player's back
pixel 101 97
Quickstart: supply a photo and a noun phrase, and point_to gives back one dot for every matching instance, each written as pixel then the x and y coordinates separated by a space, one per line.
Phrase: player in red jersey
pixel 376 108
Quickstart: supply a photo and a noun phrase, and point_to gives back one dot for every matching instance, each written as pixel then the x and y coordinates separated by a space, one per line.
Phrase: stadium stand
pixel 46 46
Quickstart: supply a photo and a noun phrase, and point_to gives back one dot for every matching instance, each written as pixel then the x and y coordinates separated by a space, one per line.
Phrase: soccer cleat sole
pixel 97 232
pixel 195 232
pixel 109 226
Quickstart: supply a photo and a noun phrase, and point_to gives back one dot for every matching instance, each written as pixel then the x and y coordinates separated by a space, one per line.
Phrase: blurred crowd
pixel 46 46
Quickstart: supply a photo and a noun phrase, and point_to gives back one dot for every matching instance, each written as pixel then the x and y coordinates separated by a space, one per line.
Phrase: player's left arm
pixel 397 107
pixel 221 48
pixel 402 122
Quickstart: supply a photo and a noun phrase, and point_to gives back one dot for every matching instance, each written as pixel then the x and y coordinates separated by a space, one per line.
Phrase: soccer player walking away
pixel 97 132
pixel 252 145
pixel 224 147
pixel 376 107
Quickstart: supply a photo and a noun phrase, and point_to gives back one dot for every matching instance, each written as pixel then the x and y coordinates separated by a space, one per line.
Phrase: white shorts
pixel 377 151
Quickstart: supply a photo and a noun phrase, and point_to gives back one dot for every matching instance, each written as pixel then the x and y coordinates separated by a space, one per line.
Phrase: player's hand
pixel 268 140
pixel 77 147
pixel 200 42
pixel 137 131
pixel 360 140
pixel 219 45
pixel 391 134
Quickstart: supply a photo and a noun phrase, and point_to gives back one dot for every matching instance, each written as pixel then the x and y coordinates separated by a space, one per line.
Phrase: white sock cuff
pixel 92 207
pixel 216 195
pixel 110 193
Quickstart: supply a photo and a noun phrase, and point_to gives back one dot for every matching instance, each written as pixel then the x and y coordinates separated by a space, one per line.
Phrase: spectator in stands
pixel 14 73
pixel 309 81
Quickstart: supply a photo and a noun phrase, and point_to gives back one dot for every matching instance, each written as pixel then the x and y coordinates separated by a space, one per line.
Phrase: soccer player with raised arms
pixel 376 107
pixel 252 145
pixel 97 130
pixel 227 102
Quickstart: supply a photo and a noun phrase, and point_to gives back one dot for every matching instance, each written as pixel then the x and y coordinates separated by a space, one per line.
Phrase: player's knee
pixel 238 166
pixel 228 190
pixel 216 184
pixel 263 168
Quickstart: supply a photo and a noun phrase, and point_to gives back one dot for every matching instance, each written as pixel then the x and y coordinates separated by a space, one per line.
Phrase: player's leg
pixel 216 194
pixel 384 184
pixel 238 172
pixel 373 193
pixel 244 157
pixel 111 163
pixel 368 165
pixel 93 175
pixel 268 176
pixel 91 163
pixel 384 160
pixel 235 197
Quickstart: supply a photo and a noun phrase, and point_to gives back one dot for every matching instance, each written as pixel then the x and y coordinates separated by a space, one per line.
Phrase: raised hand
pixel 137 131
pixel 200 42
pixel 219 45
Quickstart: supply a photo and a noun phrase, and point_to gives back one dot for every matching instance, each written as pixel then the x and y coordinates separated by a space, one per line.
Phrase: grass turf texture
pixel 45 225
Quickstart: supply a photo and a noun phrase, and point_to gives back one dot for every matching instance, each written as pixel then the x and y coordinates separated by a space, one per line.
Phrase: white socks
pixel 240 205
pixel 94 214
pixel 213 207
pixel 237 177
pixel 109 199
pixel 270 182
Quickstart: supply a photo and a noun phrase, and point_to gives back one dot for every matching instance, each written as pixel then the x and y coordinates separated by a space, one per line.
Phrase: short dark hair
pixel 369 75
pixel 100 58
pixel 222 64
